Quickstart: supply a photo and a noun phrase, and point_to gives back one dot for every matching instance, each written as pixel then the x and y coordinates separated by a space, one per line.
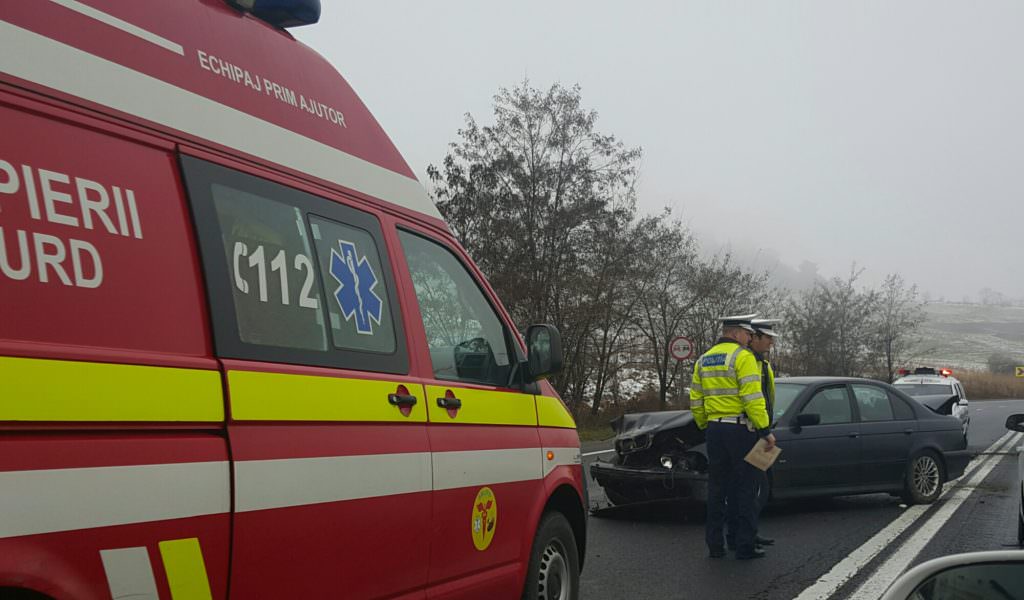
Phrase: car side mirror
pixel 993 574
pixel 805 419
pixel 544 352
pixel 1015 422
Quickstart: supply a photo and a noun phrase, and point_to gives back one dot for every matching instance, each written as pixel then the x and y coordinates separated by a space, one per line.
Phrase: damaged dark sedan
pixel 838 435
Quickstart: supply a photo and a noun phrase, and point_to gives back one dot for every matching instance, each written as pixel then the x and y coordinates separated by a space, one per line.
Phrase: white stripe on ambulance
pixel 264 484
pixel 104 496
pixel 121 24
pixel 49 500
pixel 129 573
pixel 478 467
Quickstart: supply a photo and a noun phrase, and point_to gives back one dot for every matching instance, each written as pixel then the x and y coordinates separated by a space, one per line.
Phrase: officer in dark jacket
pixel 761 344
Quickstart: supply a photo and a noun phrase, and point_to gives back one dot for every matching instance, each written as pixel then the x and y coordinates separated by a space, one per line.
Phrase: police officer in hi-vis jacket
pixel 726 397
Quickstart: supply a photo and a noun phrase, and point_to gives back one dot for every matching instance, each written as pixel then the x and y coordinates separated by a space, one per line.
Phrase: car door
pixel 822 457
pixel 327 431
pixel 485 446
pixel 887 426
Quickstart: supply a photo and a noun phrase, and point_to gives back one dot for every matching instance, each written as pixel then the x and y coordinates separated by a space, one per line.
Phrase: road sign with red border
pixel 681 348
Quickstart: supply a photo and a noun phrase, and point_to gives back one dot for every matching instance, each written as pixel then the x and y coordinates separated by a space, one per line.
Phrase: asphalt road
pixel 847 547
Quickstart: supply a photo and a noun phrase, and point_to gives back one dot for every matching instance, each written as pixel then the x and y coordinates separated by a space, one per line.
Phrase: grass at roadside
pixel 980 384
pixel 595 433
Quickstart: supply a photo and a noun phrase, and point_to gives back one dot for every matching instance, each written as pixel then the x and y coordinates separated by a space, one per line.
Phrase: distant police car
pixel 937 390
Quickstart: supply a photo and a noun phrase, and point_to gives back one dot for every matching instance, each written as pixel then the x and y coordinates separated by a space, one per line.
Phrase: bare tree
pixel 529 196
pixel 688 297
pixel 670 290
pixel 899 315
pixel 829 328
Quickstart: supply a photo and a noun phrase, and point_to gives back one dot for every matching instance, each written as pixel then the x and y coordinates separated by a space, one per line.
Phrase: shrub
pixel 983 386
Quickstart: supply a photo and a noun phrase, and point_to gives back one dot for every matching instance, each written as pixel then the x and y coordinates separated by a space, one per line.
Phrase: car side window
pixel 900 409
pixel 872 403
pixel 466 339
pixel 832 404
pixel 292 277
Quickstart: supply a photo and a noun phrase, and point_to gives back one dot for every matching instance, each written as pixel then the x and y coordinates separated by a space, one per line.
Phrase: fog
pixel 886 134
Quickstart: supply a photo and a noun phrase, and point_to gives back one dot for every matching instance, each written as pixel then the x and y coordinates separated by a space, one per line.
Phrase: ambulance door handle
pixel 402 399
pixel 449 402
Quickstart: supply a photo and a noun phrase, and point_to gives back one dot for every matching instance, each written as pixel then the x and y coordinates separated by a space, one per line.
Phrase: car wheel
pixel 923 481
pixel 554 572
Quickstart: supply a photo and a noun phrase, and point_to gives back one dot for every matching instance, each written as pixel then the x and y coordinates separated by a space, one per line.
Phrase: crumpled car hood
pixel 940 403
pixel 632 425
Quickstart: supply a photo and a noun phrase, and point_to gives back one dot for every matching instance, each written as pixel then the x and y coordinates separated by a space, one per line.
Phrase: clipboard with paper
pixel 761 458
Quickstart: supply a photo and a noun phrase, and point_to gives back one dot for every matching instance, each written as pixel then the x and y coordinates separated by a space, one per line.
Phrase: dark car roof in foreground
pixel 811 379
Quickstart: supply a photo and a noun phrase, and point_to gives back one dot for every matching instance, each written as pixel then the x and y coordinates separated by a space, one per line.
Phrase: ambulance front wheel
pixel 554 572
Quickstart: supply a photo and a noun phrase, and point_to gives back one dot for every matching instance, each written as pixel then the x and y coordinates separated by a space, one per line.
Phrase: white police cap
pixel 766 326
pixel 743 321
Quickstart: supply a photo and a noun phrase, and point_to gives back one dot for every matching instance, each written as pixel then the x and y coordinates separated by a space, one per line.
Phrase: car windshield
pixel 785 393
pixel 924 389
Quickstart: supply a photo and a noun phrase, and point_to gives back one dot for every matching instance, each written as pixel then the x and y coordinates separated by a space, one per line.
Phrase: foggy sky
pixel 888 134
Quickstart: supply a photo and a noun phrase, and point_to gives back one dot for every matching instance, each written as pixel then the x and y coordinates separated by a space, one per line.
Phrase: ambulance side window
pixel 467 340
pixel 273 290
pixel 350 268
pixel 292 277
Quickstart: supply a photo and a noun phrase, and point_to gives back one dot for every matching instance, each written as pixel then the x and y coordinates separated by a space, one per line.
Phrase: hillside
pixel 965 335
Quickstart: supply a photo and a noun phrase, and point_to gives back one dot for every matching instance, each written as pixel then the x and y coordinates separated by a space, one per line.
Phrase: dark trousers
pixel 762 494
pixel 734 481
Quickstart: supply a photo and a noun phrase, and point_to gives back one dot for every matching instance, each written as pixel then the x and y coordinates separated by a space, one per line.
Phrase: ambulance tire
pixel 554 572
pixel 21 594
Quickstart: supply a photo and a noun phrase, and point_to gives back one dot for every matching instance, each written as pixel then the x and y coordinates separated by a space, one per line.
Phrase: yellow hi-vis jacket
pixel 767 385
pixel 727 383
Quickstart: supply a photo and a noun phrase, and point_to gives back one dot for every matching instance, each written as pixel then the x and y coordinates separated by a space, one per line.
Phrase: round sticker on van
pixel 485 518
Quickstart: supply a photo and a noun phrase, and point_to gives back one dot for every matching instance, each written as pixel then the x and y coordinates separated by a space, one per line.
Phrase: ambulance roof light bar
pixel 281 13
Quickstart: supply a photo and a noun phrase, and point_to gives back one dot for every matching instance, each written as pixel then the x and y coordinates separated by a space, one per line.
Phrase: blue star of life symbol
pixel 355 294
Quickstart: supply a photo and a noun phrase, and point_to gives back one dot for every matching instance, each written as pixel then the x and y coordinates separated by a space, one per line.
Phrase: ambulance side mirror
pixel 544 352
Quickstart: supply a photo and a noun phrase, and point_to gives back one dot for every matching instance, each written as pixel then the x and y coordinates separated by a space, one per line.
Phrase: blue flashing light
pixel 282 13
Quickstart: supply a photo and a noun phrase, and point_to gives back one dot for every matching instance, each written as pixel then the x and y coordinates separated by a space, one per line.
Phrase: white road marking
pixel 599 452
pixel 124 26
pixel 887 572
pixel 845 569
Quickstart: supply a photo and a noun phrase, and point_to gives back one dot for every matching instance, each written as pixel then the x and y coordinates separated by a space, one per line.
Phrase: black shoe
pixel 756 553
pixel 763 541
pixel 716 553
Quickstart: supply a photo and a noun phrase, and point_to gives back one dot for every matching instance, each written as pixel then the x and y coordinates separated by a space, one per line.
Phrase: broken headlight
pixel 627 445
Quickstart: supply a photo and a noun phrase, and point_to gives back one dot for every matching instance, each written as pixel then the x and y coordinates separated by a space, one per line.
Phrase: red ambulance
pixel 241 354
